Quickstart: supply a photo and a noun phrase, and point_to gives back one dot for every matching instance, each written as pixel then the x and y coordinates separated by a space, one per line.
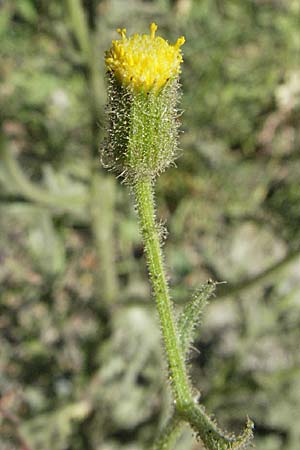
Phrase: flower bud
pixel 143 91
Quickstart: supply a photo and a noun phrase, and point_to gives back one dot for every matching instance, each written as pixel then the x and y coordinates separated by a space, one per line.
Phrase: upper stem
pixel 150 233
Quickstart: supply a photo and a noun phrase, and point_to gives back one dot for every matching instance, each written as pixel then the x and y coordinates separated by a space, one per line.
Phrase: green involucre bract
pixel 142 130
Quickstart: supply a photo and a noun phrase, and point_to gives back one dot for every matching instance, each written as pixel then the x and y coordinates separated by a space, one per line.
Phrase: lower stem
pixel 185 408
pixel 146 211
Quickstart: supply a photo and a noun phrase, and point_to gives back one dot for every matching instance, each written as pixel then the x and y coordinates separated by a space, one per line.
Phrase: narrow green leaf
pixel 191 314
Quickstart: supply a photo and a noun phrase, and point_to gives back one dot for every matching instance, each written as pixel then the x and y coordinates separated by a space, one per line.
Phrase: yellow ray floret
pixel 144 62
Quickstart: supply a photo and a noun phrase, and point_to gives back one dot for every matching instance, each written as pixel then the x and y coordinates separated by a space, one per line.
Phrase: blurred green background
pixel 80 359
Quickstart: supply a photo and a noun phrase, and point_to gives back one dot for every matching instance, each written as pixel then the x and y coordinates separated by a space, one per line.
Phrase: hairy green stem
pixel 149 229
pixel 186 408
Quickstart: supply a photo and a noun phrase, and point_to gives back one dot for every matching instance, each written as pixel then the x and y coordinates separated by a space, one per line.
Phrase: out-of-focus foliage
pixel 80 361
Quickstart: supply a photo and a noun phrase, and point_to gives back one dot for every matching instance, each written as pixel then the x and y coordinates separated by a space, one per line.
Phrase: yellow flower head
pixel 144 62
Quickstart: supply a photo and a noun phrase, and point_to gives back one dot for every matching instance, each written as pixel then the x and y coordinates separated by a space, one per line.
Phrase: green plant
pixel 141 143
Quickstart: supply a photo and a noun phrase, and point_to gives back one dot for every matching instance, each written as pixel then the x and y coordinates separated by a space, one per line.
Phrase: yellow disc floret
pixel 144 62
